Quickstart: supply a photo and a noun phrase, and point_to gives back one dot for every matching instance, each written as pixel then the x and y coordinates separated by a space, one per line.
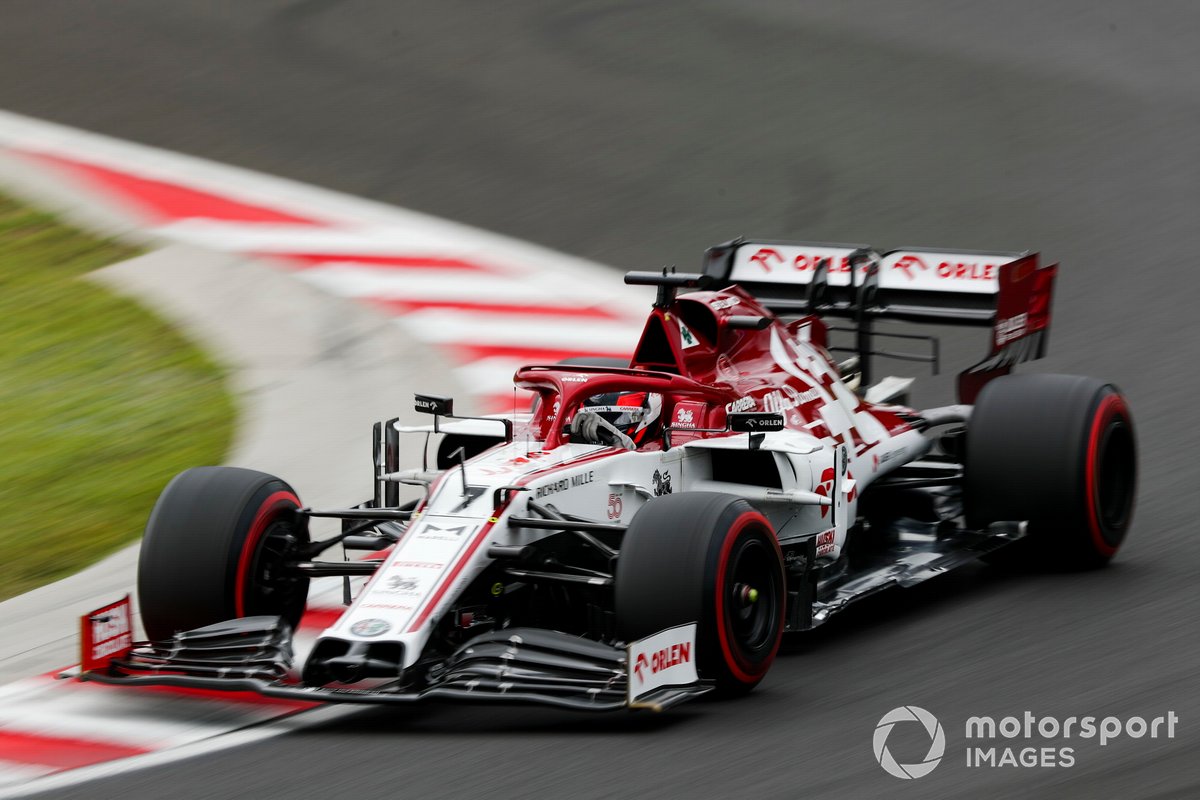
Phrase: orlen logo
pixel 967 270
pixel 666 658
pixel 765 257
pixel 909 263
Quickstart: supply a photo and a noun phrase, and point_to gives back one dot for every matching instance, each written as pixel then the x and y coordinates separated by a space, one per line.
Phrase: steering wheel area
pixel 589 427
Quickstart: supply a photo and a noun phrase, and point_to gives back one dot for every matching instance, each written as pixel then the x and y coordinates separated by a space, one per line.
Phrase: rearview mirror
pixel 434 404
pixel 755 422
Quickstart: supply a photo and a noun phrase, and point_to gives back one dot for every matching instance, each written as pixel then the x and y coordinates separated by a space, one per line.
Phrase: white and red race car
pixel 651 529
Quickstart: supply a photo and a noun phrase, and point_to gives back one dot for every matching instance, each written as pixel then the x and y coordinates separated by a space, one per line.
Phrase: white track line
pixel 12 774
pixel 443 326
pixel 368 283
pixel 226 741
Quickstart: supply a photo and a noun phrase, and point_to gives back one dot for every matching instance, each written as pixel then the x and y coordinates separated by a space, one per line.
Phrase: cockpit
pixel 629 419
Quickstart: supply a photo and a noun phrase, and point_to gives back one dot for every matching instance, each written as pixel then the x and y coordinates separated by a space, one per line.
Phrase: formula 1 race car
pixel 651 529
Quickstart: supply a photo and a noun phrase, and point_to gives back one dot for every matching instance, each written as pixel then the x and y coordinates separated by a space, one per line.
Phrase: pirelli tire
pixel 214 550
pixel 711 559
pixel 1060 452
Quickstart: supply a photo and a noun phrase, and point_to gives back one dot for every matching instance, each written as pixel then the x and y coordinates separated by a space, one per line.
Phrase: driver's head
pixel 636 414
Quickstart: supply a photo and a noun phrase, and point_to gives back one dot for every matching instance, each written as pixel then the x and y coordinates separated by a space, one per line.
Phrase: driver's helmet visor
pixel 632 413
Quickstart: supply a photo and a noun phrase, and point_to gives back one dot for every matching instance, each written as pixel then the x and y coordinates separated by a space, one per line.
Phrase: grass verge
pixel 101 402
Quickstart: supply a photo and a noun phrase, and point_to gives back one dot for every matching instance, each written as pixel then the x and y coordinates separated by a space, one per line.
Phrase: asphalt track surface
pixel 638 134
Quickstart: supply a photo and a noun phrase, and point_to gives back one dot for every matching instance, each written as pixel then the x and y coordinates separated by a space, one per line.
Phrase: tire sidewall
pixel 1111 412
pixel 271 504
pixel 199 556
pixel 674 569
pixel 740 527
pixel 1037 448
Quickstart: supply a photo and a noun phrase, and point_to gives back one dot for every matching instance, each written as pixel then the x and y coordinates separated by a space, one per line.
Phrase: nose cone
pixel 347 661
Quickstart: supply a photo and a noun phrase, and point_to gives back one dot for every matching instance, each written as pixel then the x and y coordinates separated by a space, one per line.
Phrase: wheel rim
pixel 265 584
pixel 1115 478
pixel 272 588
pixel 752 597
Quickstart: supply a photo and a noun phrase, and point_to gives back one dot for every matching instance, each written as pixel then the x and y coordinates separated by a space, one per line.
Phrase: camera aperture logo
pixel 937 742
pixel 1026 741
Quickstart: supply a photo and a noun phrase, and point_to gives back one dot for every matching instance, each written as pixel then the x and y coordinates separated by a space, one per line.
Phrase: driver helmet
pixel 636 414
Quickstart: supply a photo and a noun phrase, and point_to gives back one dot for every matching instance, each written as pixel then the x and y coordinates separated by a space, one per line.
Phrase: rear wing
pixel 1006 291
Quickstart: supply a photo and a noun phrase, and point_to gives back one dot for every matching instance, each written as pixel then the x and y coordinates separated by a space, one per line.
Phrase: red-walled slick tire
pixel 711 559
pixel 1060 452
pixel 214 550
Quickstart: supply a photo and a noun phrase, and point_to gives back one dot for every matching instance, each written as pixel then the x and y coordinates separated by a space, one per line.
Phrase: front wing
pixel 515 665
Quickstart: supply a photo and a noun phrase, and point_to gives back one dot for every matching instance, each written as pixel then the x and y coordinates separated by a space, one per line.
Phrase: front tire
pixel 1060 452
pixel 711 559
pixel 214 550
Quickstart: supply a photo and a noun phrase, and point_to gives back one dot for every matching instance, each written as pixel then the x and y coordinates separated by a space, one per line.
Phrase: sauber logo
pixel 825 542
pixel 765 257
pixel 659 660
pixel 910 263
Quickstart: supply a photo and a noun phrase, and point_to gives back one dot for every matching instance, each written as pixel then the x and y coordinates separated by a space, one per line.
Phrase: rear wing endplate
pixel 1006 291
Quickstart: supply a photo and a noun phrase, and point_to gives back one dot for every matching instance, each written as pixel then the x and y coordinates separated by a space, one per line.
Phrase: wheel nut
pixel 746 594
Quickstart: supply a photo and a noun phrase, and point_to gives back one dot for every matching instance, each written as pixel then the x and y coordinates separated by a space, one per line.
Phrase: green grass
pixel 101 402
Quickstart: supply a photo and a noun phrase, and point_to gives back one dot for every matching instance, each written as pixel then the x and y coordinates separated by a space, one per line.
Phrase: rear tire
pixel 1060 452
pixel 213 551
pixel 693 557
